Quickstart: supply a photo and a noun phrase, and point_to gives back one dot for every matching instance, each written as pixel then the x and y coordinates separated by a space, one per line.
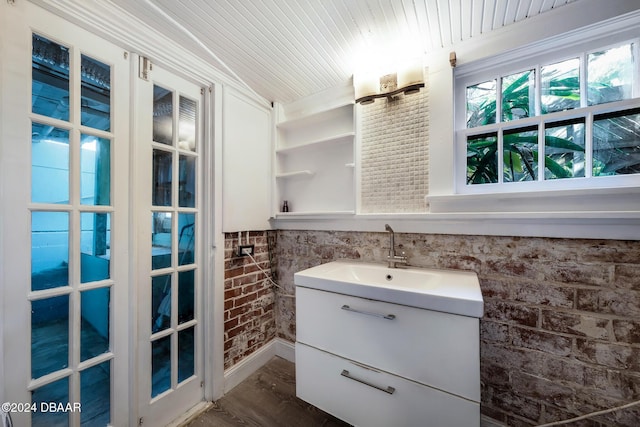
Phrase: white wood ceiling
pixel 287 49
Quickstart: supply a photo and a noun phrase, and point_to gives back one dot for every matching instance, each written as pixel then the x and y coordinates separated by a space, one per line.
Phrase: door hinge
pixel 144 68
pixel 140 421
pixel 201 384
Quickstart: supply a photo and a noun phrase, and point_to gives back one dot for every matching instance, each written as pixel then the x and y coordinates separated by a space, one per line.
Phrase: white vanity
pixel 380 346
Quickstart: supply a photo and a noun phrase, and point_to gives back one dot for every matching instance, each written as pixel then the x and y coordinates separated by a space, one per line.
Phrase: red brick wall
pixel 560 336
pixel 249 315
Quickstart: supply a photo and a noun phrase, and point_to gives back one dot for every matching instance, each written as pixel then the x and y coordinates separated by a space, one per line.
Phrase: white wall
pixel 246 172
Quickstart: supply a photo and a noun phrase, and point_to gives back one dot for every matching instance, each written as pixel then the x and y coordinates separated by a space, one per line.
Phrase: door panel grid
pixel 169 303
pixel 173 254
pixel 71 209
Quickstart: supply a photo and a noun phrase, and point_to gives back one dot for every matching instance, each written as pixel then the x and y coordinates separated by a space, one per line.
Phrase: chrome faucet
pixel 393 259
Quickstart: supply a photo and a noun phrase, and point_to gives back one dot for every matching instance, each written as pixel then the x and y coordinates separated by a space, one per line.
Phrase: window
pixel 567 120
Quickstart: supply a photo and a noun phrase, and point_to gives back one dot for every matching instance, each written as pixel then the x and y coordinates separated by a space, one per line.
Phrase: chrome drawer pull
pixel 389 389
pixel 368 313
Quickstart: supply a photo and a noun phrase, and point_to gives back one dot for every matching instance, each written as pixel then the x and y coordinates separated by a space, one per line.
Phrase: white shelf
pixel 294 174
pixel 309 213
pixel 315 117
pixel 337 139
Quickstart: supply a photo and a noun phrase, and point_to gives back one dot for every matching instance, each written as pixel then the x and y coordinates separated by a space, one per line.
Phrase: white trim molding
pixel 247 366
pixel 572 225
pixel 605 202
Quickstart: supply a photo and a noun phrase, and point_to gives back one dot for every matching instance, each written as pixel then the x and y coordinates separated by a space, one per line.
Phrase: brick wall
pixel 395 155
pixel 561 332
pixel 249 315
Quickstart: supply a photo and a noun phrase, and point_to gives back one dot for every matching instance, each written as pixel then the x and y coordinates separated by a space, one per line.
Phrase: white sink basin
pixel 449 291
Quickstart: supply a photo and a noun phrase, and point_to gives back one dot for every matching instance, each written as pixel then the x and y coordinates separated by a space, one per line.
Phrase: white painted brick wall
pixel 395 154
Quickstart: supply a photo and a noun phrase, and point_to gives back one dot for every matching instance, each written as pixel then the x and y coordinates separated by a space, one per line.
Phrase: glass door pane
pixel 170 314
pixel 174 195
pixel 50 78
pixel 71 270
pixel 162 115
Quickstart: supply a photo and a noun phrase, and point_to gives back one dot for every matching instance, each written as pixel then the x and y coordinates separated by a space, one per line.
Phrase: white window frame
pixel 524 59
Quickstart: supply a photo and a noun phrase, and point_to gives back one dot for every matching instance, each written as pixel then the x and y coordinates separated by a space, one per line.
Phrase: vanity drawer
pixel 363 396
pixel 437 349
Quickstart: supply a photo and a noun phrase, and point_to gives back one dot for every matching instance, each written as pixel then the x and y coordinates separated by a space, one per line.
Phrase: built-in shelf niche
pixel 315 160
pixel 294 174
pixel 334 139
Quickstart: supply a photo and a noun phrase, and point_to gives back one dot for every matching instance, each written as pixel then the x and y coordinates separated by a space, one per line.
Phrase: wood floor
pixel 266 399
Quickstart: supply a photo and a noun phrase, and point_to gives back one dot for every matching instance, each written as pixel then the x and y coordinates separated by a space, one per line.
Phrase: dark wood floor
pixel 266 399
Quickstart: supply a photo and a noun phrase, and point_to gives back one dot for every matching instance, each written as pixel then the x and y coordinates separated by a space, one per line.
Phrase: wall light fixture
pixel 407 80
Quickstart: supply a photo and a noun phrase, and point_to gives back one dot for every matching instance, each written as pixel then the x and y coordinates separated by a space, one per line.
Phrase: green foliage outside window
pixel 615 136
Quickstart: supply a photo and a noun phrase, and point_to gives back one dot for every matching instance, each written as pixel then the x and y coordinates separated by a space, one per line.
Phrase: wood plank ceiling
pixel 287 49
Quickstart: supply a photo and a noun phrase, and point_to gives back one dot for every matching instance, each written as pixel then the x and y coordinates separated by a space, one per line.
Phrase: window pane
pixel 560 86
pixel 95 243
pixel 186 239
pixel 161 240
pixel 187 124
pixel 186 296
pixel 49 250
pixel 50 78
pixel 616 143
pixel 94 326
pixel 160 302
pixel 187 184
pixel 518 96
pixel 162 177
pixel 49 164
pixel 162 115
pixel 481 104
pixel 520 155
pixel 96 94
pixel 610 75
pixel 58 393
pixel 49 335
pixel 186 353
pixel 564 150
pixel 160 366
pixel 95 160
pixel 482 159
pixel 95 395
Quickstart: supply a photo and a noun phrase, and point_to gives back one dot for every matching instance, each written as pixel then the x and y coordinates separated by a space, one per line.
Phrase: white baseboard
pixel 243 369
pixel 490 422
pixel 285 349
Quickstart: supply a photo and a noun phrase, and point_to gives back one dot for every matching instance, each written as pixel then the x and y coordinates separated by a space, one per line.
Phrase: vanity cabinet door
pixel 363 396
pixel 438 349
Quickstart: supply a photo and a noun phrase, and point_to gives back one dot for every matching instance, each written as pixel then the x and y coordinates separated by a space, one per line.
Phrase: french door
pixel 101 216
pixel 167 158
pixel 65 222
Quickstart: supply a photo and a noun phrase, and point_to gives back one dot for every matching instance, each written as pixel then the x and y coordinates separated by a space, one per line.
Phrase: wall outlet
pixel 244 250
